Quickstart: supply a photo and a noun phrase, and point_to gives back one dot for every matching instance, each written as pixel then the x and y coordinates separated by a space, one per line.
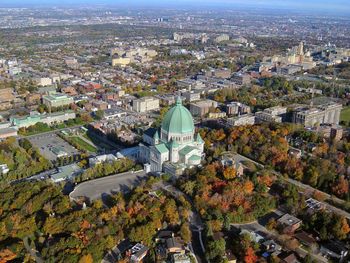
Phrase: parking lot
pixel 51 146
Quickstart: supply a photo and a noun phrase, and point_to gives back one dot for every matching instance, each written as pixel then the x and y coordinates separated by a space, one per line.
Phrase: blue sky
pixel 330 5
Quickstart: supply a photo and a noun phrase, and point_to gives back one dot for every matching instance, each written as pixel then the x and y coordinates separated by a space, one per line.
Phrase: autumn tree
pixel 340 227
pixel 171 213
pixel 250 256
pixel 248 187
pixel 229 173
pixel 271 224
pixel 341 187
pixel 185 233
pixel 86 259
pixel 6 255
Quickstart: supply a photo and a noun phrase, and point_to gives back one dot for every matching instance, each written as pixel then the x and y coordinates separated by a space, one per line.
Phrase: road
pixel 37 177
pixel 195 220
pixel 98 188
pixel 256 227
pixel 32 251
pixel 308 192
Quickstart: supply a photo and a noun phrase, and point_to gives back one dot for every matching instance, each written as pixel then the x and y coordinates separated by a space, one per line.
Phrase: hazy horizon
pixel 335 6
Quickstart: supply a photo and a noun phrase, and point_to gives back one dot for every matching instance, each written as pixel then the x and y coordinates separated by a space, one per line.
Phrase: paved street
pixel 100 187
pixel 308 191
pixel 195 221
pixel 32 251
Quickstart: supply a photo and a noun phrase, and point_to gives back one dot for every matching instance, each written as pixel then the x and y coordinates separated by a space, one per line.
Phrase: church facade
pixel 174 146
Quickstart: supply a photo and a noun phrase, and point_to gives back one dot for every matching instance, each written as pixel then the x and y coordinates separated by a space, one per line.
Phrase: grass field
pixel 345 115
pixel 83 144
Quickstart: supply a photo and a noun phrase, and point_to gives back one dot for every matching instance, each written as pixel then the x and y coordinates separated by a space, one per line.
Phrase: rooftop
pixel 289 220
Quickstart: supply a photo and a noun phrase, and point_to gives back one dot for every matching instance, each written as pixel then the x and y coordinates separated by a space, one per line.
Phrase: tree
pixel 99 114
pixel 185 233
pixel 271 224
pixel 340 227
pixel 229 173
pixel 248 186
pixel 216 249
pixel 6 255
pixel 188 187
pixel 341 187
pixel 86 259
pixel 319 196
pixel 171 213
pixel 25 144
pixel 250 256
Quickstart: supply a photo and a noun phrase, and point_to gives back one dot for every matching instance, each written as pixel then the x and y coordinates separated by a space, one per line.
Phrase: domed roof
pixel 178 119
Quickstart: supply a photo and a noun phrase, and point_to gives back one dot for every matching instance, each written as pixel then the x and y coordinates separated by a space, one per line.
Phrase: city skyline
pixel 310 5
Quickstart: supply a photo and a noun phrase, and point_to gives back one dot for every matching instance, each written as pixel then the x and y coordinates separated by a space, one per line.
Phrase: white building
pixel 174 146
pixel 102 159
pixel 145 104
pixel 247 119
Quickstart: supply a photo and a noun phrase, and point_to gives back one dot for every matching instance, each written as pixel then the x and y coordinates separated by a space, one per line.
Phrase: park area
pixel 345 116
pixel 83 144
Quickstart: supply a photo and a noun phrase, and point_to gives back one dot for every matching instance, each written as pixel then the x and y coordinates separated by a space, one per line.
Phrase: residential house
pixel 288 258
pixel 138 252
pixel 180 258
pixel 175 245
pixel 270 246
pixel 305 239
pixel 289 223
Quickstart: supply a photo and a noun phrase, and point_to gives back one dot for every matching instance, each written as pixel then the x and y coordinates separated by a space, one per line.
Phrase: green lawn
pixel 83 144
pixel 100 144
pixel 345 115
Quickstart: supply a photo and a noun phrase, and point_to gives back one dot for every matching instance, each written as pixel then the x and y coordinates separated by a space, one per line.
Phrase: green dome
pixel 178 120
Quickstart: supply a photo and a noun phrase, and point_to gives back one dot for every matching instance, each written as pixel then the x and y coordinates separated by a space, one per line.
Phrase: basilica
pixel 174 146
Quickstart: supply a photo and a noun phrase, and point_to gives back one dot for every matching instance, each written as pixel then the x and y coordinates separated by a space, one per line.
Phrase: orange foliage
pixel 319 196
pixel 218 186
pixel 248 187
pixel 85 224
pixel 86 259
pixel 246 205
pixel 6 255
pixel 250 256
pixel 266 180
pixel 345 226
pixel 341 187
pixel 321 149
pixel 229 173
